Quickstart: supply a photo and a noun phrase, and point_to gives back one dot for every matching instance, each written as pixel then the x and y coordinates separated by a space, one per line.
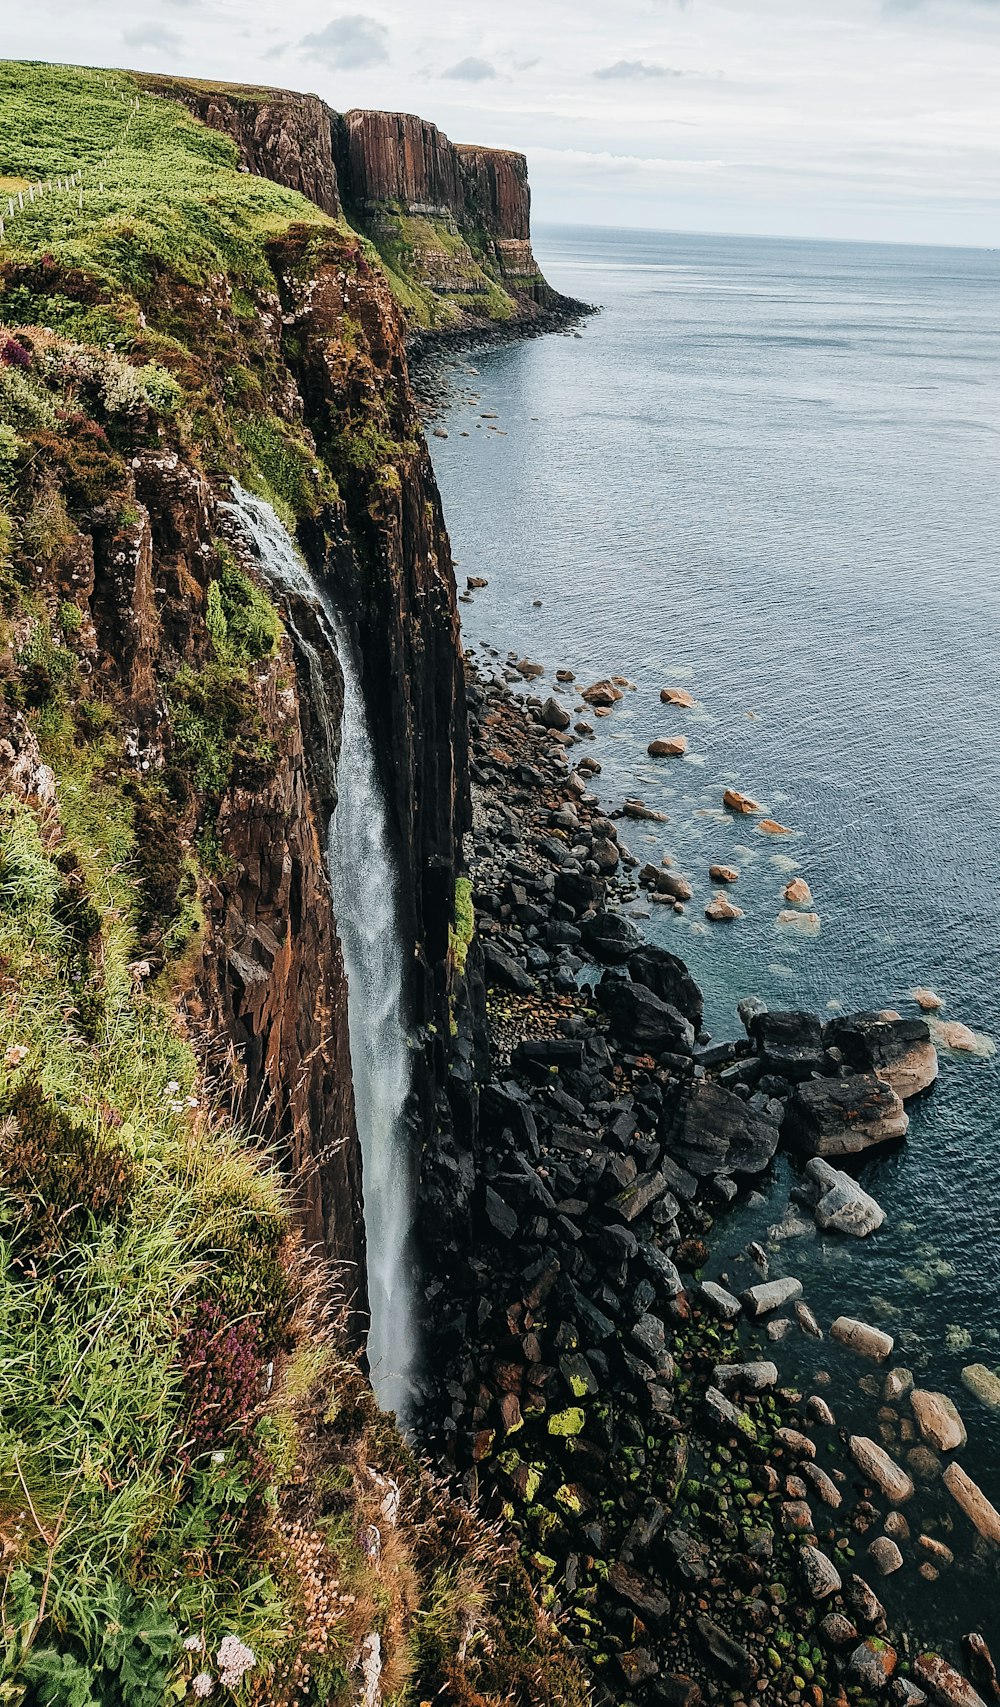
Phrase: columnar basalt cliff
pixel 451 222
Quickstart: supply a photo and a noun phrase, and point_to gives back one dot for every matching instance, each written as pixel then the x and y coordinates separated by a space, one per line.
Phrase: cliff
pixel 451 223
pixel 179 1186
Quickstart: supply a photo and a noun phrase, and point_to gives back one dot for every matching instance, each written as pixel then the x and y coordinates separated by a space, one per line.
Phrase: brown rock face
pixel 397 157
pixel 282 136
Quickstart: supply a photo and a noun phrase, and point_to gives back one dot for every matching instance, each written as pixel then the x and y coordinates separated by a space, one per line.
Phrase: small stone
pixel 872 1664
pixel 724 873
pixel 886 1555
pixel 745 1377
pixel 740 802
pixel 819 1573
pixel 824 1486
pixel 837 1631
pixel 720 908
pixel 898 1383
pixel 770 1295
pixel 807 1321
pixel 797 1445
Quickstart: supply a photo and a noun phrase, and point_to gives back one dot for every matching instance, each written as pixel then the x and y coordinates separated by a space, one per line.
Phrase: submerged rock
pixel 984 1383
pixel 874 1463
pixel 973 1502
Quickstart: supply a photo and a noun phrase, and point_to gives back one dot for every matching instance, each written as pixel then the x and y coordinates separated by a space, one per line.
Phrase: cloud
pixel 636 68
pixel 348 43
pixel 152 35
pixel 471 71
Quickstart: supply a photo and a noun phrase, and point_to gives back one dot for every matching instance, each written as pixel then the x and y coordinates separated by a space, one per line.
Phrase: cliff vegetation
pixel 198 1495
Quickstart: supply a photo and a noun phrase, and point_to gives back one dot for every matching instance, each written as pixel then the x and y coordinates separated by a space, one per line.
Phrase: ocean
pixel 768 472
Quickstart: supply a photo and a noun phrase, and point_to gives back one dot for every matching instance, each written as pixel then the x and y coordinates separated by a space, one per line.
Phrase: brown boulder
pixel 667 747
pixel 740 802
pixel 676 696
pixel 602 693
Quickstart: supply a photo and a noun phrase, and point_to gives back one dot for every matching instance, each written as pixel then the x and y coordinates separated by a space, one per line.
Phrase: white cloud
pixel 635 68
pixel 348 43
pixel 471 71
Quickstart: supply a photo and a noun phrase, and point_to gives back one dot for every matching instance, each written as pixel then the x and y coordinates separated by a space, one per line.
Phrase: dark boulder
pixel 610 938
pixel 713 1131
pixel 841 1117
pixel 790 1044
pixel 503 969
pixel 640 1020
pixel 898 1050
pixel 579 890
pixel 669 979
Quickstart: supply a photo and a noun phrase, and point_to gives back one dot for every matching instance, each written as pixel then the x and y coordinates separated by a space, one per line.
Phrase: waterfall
pixel 364 886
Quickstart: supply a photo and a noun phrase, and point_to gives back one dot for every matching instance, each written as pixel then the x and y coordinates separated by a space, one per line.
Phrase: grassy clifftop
pixel 198 1495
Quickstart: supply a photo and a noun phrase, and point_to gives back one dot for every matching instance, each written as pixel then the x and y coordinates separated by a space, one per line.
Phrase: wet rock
pixel 885 1555
pixel 824 1486
pixel 843 1206
pixel 640 1020
pixel 669 979
pixel 727 1655
pixel 610 938
pixel 842 1117
pixel 807 1321
pixel 876 1465
pixel 649 1601
pixel 529 670
pixel 946 1685
pixel 981 1665
pixel 713 1131
pixel 872 1664
pixel 862 1338
pixel 904 1693
pixel 725 1416
pixel 720 1302
pixel 938 1420
pixel 603 693
pixel 579 890
pixel 554 715
pixel 837 1631
pixel 927 999
pixel 720 909
pixel 737 802
pixel 900 1051
pixel 503 969
pixel 667 747
pixel 789 1044
pixel 797 1445
pixel 724 873
pixel 745 1377
pixel 690 1554
pixel 973 1502
pixel 676 696
pixel 819 1573
pixel 984 1383
pixel 770 1295
pixel 898 1383
pixel 820 1411
pixel 675 1689
pixel 500 1215
pixel 864 1603
pixel 798 892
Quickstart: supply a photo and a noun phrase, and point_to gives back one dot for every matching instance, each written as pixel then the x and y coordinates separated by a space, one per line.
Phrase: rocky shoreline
pixel 627 1416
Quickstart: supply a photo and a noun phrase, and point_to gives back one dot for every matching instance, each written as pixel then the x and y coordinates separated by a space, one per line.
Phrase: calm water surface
pixel 769 472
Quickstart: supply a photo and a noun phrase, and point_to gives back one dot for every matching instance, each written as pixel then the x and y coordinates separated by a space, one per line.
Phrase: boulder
pixel 898 1383
pixel 944 1683
pixel 952 1034
pixel 740 802
pixel 640 1020
pixel 789 1044
pixel 837 1631
pixel 669 979
pixel 726 1417
pixel 984 1383
pixel 824 1486
pixel 720 1302
pixel 770 1295
pixel 843 1206
pixel 938 1420
pixel 603 693
pixel 842 1117
pixel 872 1664
pixel 876 1465
pixel 529 670
pixel 798 892
pixel 724 873
pixel 554 715
pixel 725 1653
pixel 819 1573
pixel 771 827
pixel 927 999
pixel 610 938
pixel 745 1377
pixel 676 696
pixel 579 890
pixel 712 1131
pixel 720 908
pixel 503 969
pixel 973 1502
pixel 900 1051
pixel 667 747
pixel 862 1338
pixel 885 1555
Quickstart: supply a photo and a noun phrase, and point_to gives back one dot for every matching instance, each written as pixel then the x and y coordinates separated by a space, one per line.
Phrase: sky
pixel 856 119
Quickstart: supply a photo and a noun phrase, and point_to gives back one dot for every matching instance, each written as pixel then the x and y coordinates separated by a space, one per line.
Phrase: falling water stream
pixel 364 886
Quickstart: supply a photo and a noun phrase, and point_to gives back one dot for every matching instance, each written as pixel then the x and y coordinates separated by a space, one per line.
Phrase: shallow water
pixel 768 472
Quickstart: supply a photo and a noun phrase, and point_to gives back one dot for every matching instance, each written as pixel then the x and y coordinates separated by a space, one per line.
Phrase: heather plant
pixel 223 1375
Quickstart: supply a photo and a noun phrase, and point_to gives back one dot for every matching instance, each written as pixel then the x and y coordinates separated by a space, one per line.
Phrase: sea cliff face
pixel 451 222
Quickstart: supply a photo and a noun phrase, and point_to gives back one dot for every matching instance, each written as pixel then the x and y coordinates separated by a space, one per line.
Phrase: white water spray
pixel 365 896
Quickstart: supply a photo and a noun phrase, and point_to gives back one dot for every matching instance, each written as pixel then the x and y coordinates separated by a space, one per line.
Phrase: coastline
pixel 630 1420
